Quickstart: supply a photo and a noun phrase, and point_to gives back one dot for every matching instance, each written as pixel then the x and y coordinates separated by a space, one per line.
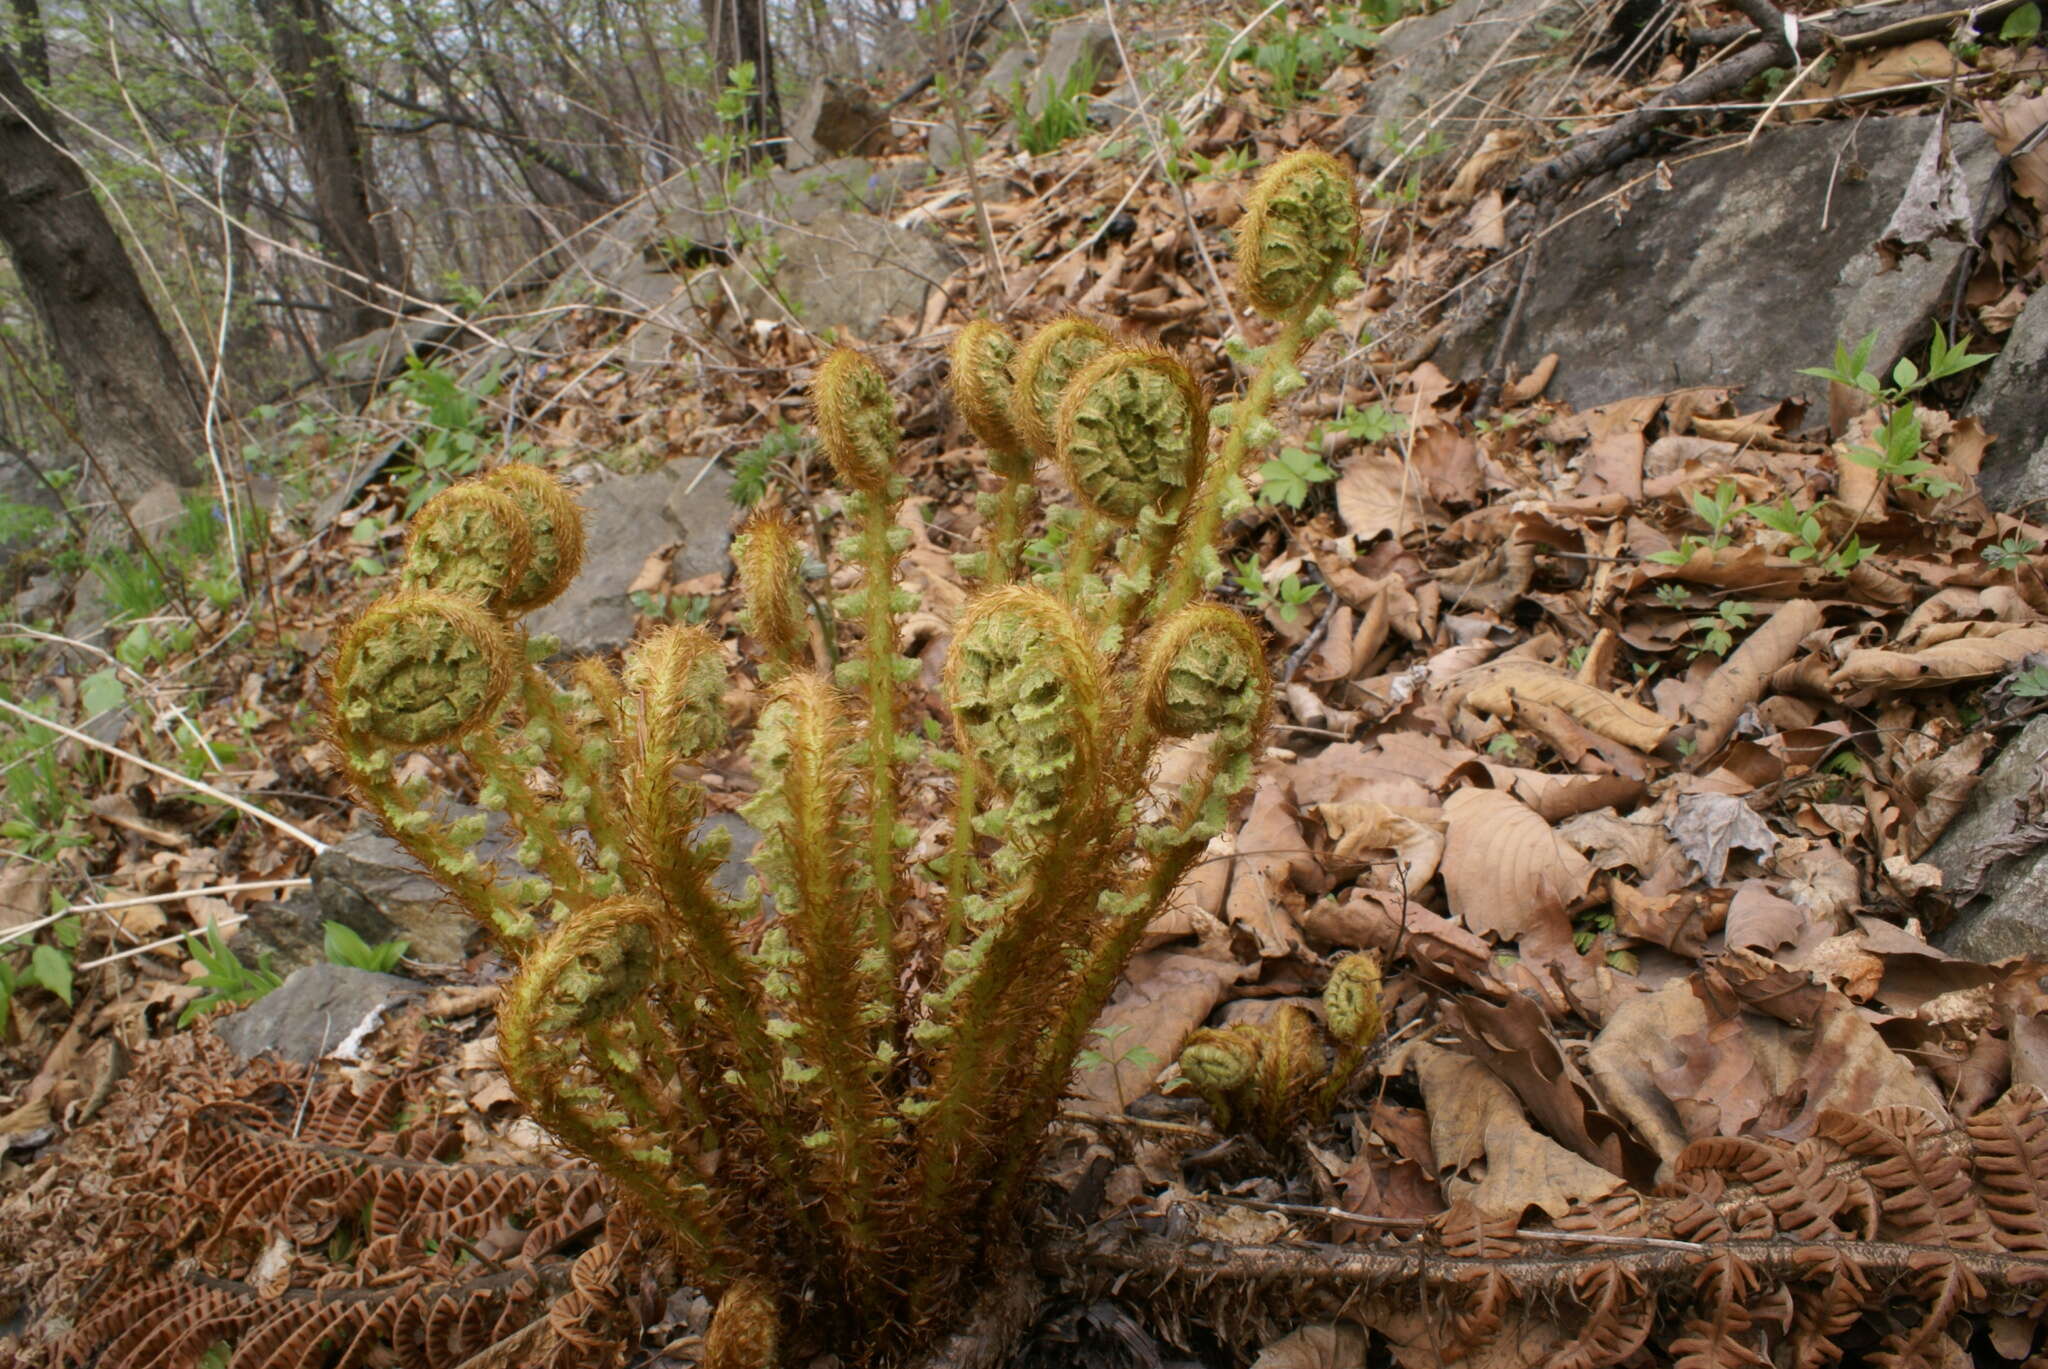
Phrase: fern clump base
pixel 797 1087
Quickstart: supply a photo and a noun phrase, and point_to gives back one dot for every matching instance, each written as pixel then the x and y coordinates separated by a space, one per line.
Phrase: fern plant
pixel 800 1087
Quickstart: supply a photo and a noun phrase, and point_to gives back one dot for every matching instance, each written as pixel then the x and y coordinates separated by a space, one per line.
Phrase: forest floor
pixel 1620 735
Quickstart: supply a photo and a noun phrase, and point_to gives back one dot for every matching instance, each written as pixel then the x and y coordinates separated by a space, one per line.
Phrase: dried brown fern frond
pixel 1876 1236
pixel 282 1222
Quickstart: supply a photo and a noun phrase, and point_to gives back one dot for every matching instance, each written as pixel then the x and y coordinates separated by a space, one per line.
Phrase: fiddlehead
pixel 471 541
pixel 986 397
pixel 770 564
pixel 1047 363
pixel 555 527
pixel 1026 696
pixel 566 1041
pixel 1130 433
pixel 1219 1064
pixel 856 420
pixel 419 668
pixel 1299 231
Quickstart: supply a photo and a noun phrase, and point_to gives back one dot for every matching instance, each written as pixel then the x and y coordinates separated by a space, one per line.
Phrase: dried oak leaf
pixel 1987 649
pixel 1739 681
pixel 1496 686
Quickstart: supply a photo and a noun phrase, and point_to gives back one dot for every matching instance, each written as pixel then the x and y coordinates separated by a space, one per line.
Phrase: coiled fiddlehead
pixel 856 420
pixel 555 528
pixel 1219 1064
pixel 571 1029
pixel 1047 363
pixel 1131 433
pixel 1299 231
pixel 468 540
pixel 984 392
pixel 770 563
pixel 420 668
pixel 1026 695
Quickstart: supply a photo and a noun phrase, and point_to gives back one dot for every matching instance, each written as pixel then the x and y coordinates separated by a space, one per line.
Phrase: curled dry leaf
pixel 1506 872
pixel 1496 686
pixel 1942 784
pixel 1740 680
pixel 1987 649
pixel 1361 829
pixel 1324 1345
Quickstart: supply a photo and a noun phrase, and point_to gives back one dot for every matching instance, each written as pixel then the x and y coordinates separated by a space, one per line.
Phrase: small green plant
pixel 1718 511
pixel 2012 553
pixel 1899 436
pixel 134 586
pixel 796 1103
pixel 450 442
pixel 2031 683
pixel 227 981
pixel 1291 476
pixel 1589 926
pixel 345 946
pixel 1062 114
pixel 2022 25
pixel 49 966
pixel 1808 542
pixel 1717 629
pixel 1285 597
pixel 1503 744
pixel 672 608
pixel 775 456
pixel 45 792
pixel 1673 595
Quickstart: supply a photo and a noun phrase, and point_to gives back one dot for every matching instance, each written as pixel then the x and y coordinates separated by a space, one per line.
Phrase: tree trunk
pixel 137 410
pixel 739 33
pixel 338 163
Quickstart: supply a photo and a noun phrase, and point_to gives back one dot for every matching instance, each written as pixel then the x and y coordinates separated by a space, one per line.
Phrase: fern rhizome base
pixel 798 1088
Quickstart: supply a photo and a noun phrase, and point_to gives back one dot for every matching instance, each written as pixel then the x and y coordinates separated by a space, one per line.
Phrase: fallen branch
pixel 1620 141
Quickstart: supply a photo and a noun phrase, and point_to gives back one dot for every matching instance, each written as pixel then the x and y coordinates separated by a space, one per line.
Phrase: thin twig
pixel 241 805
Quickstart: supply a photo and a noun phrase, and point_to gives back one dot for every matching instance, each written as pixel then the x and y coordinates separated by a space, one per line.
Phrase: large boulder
pixel 837 120
pixel 1726 278
pixel 2012 404
pixel 841 271
pixel 1080 56
pixel 684 505
pixel 1995 856
pixel 372 885
pixel 1441 80
pixel 315 1011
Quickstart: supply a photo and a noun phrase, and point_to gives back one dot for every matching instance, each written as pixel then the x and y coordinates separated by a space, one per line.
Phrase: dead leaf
pixel 1474 1119
pixel 1164 996
pixel 2010 122
pixel 1378 493
pixel 1741 678
pixel 1326 1345
pixel 1273 865
pixel 1986 649
pixel 1495 686
pixel 1507 873
pixel 1359 829
pixel 1711 827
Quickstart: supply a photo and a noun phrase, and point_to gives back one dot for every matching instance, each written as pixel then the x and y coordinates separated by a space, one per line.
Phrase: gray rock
pixel 373 885
pixel 731 878
pixel 1079 54
pixel 293 932
pixel 625 521
pixel 842 271
pixel 374 356
pixel 1724 280
pixel 2008 915
pixel 30 511
pixel 2012 404
pixel 40 598
pixel 313 1011
pixel 1005 76
pixel 836 120
pixel 1469 54
pixel 942 147
pixel 157 511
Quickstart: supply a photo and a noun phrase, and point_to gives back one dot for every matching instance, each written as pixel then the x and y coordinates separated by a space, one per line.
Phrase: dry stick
pixel 22 930
pixel 298 834
pixel 231 920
